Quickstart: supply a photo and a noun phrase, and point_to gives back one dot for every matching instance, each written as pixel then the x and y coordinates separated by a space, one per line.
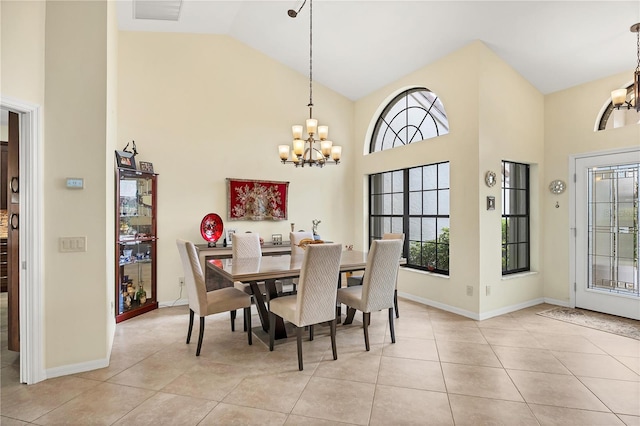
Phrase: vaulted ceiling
pixel 361 45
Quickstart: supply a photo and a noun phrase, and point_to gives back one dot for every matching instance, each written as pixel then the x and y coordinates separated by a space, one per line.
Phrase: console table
pixel 214 281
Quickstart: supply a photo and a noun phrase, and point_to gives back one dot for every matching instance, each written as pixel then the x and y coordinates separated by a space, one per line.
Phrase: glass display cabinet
pixel 135 243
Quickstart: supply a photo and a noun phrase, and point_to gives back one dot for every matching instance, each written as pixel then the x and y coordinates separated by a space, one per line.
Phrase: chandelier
pixel 310 151
pixel 619 97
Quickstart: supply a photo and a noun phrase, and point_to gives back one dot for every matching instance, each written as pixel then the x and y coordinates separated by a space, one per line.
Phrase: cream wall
pixel 570 117
pixel 74 139
pixel 483 130
pixel 203 108
pixel 22 50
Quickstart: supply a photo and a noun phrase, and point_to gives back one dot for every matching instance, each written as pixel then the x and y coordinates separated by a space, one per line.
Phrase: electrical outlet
pixel 488 290
pixel 469 290
pixel 180 281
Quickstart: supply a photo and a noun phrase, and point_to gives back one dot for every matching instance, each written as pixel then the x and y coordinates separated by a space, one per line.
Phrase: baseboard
pixel 82 367
pixel 483 315
pixel 562 303
pixel 179 302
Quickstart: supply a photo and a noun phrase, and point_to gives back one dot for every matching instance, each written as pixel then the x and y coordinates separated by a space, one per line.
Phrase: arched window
pixel 414 115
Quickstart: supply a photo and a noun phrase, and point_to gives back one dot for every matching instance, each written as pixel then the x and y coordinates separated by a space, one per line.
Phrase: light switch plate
pixel 75 183
pixel 72 244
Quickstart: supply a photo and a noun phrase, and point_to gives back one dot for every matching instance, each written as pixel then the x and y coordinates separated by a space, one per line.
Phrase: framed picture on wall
pixel 125 160
pixel 145 166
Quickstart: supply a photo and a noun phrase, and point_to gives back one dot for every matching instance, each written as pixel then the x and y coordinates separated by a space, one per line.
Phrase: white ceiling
pixel 362 45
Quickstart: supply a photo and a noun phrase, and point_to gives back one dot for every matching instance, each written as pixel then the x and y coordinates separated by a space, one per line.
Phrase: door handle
pixel 15 187
pixel 14 221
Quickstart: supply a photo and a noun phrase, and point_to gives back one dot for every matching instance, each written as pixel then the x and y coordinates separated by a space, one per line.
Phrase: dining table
pixel 268 269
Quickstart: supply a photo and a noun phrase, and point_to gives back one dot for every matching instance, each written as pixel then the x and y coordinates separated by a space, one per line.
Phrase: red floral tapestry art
pixel 257 199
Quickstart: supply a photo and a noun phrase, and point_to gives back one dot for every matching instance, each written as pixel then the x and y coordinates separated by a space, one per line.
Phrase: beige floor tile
pixel 336 400
pixel 227 414
pixel 167 409
pixel 486 382
pixel 294 420
pixel 595 365
pixel 8 421
pixel 633 363
pixel 514 338
pixel 559 416
pixel 208 380
pixel 359 366
pixel 406 347
pixel 555 389
pixel 467 353
pixel 414 326
pixel 103 404
pixel 630 420
pixel 503 322
pixel 620 396
pixel 411 373
pixel 447 331
pixel 472 411
pixel 393 405
pixel 269 392
pixel 616 345
pixel 567 343
pixel 528 359
pixel 30 402
pixel 151 373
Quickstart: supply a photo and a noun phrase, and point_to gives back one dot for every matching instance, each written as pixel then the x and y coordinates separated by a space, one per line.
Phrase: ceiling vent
pixel 162 10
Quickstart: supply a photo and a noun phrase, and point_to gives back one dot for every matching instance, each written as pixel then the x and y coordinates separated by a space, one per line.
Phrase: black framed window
pixel 515 218
pixel 413 115
pixel 415 202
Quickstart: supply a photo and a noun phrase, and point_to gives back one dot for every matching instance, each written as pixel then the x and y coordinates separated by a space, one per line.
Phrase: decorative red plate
pixel 211 227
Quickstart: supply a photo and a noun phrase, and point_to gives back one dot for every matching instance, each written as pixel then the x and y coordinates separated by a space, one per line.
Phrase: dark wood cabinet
pixel 136 241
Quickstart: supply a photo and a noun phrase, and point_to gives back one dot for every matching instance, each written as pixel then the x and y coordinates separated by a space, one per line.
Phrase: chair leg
pixel 333 338
pixel 365 322
pixel 310 332
pixel 299 339
pixel 272 329
pixel 191 314
pixel 233 320
pixel 393 334
pixel 200 336
pixel 395 302
pixel 351 312
pixel 247 324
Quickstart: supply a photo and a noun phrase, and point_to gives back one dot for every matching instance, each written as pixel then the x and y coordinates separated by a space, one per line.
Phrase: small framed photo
pixel 276 239
pixel 125 160
pixel 146 166
pixel 230 232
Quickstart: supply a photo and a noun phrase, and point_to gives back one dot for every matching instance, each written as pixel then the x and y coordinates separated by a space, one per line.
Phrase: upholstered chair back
pixel 379 281
pixel 295 238
pixel 318 284
pixel 194 278
pixel 245 245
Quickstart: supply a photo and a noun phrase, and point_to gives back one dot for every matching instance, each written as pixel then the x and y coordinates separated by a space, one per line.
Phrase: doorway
pixel 606 219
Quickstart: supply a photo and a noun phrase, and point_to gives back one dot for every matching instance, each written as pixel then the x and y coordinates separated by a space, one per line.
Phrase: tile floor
pixel 516 369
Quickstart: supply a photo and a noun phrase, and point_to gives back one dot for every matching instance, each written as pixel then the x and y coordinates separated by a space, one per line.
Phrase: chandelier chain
pixel 310 58
pixel 638 47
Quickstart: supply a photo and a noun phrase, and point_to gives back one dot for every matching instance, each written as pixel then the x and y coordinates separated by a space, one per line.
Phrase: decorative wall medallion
pixel 557 187
pixel 490 178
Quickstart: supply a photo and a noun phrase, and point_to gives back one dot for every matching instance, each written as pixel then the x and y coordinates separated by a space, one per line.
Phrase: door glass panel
pixel 613 219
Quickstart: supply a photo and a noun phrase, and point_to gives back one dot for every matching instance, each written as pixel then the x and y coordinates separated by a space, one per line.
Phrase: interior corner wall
pixel 75 111
pixel 514 133
pixel 570 117
pixel 454 80
pixel 203 108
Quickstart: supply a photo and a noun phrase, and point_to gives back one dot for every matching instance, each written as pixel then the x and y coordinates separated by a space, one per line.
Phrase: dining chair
pixel 315 301
pixel 244 246
pixel 203 302
pixel 378 285
pixel 357 280
pixel 294 240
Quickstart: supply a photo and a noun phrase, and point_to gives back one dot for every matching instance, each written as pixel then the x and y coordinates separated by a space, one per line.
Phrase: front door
pixel 607 243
